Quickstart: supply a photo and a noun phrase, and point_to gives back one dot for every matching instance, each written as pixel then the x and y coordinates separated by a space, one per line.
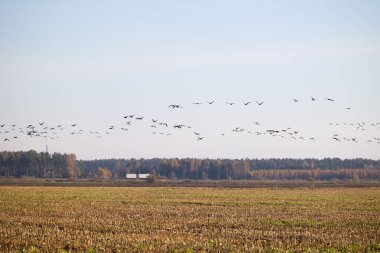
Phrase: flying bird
pixel 175 106
pixel 313 99
pixel 229 103
pixel 295 100
pixel 200 138
pixel 246 103
pixel 140 118
pixel 330 99
pixel 210 102
pixel 259 103
pixel 197 103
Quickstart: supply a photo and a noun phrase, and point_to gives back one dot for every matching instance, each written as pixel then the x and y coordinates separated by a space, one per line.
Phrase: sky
pixel 91 63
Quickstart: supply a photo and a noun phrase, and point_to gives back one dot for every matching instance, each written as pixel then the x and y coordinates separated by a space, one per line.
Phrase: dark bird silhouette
pixel 128 123
pixel 210 102
pixel 197 103
pixel 2 125
pixel 74 125
pixel 229 103
pixel 200 138
pixel 111 127
pixel 246 103
pixel 259 103
pixel 175 106
pixel 41 123
pixel 330 99
pixel 348 108
pixel 140 118
pixel 295 100
pixel 336 139
pixel 6 140
pixel 153 126
pixel 256 123
pixel 131 116
pixel 125 117
pixel 196 133
pixel 313 99
pixel 154 120
pixel 163 124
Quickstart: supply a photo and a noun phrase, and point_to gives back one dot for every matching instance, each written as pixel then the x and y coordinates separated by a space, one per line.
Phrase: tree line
pixel 45 165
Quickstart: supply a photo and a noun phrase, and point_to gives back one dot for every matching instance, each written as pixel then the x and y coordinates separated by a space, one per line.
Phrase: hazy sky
pixel 93 62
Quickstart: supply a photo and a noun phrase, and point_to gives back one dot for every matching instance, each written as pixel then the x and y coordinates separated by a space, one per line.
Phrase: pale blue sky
pixel 92 62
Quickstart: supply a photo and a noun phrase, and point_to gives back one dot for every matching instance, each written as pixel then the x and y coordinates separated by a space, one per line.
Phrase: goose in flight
pixel 230 103
pixel 196 133
pixel 6 139
pixel 313 99
pixel 175 106
pixel 330 99
pixel 210 102
pixel 74 125
pixel 259 103
pixel 41 123
pixel 197 103
pixel 200 138
pixel 140 118
pixel 295 100
pixel 246 103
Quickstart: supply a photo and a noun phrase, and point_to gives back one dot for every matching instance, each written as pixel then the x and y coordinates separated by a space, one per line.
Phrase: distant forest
pixel 45 165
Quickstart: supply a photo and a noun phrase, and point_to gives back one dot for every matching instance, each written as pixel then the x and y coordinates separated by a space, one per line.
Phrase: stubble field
pixel 133 219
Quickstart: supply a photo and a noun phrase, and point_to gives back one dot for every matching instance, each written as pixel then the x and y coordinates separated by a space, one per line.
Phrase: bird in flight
pixel 312 99
pixel 197 103
pixel 295 100
pixel 259 103
pixel 196 133
pixel 348 108
pixel 330 99
pixel 229 103
pixel 6 140
pixel 200 138
pixel 140 118
pixel 175 106
pixel 246 103
pixel 74 125
pixel 210 102
pixel 41 123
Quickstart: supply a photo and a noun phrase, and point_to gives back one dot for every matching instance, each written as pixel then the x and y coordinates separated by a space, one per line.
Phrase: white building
pixel 137 176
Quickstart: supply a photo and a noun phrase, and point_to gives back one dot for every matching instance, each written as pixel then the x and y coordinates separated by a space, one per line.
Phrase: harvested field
pixel 147 219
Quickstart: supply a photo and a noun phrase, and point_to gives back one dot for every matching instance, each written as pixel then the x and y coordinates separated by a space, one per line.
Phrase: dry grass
pixel 65 219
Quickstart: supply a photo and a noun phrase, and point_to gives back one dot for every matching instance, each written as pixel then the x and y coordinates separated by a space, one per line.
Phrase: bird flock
pixel 11 132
